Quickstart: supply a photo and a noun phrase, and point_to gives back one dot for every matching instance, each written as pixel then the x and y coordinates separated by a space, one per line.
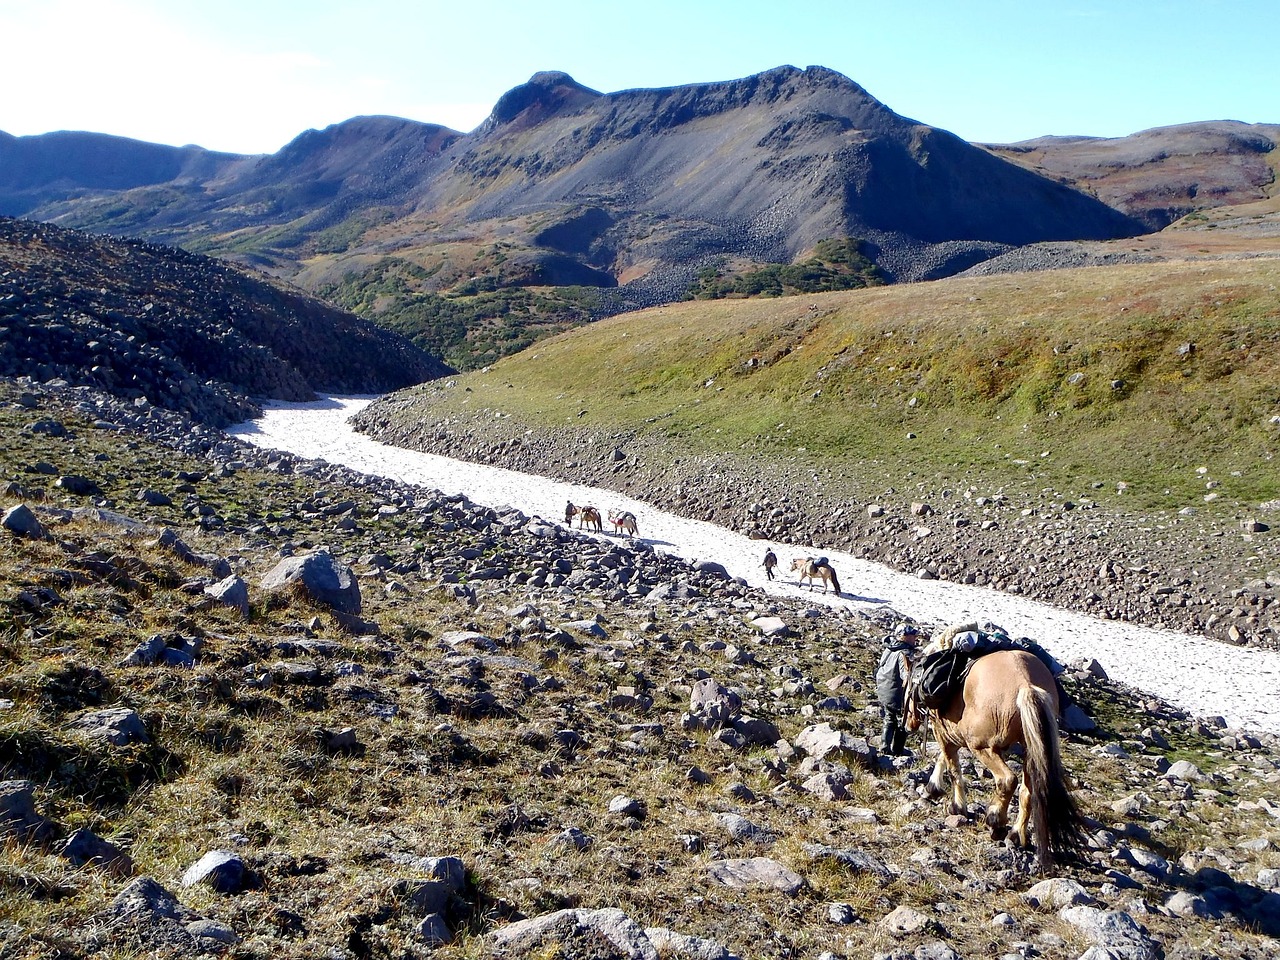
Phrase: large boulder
pixel 324 578
pixel 21 522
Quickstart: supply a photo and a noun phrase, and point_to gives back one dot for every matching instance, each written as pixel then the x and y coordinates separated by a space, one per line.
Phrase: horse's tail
pixel 1055 819
pixel 835 581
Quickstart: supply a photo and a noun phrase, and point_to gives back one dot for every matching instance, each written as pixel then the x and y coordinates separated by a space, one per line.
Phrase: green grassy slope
pixel 1128 376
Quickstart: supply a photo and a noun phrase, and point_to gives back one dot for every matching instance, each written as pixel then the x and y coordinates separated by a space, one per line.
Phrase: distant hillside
pixel 1064 404
pixel 1160 175
pixel 38 171
pixel 182 331
pixel 568 204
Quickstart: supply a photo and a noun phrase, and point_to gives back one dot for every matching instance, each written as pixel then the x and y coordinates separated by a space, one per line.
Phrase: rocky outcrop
pixel 167 328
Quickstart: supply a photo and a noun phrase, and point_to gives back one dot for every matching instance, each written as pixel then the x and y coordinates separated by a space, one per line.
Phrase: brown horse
pixel 589 518
pixel 623 522
pixel 811 569
pixel 1009 697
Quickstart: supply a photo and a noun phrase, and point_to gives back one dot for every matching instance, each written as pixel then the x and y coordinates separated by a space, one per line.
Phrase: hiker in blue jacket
pixel 891 686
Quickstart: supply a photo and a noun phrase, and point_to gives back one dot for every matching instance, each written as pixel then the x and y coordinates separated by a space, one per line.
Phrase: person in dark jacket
pixel 891 686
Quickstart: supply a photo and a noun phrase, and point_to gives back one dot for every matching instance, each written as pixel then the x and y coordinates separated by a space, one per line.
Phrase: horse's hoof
pixel 1001 832
pixel 955 810
pixel 931 790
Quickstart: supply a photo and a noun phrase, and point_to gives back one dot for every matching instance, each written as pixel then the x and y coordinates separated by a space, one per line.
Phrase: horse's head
pixel 914 713
pixel 799 563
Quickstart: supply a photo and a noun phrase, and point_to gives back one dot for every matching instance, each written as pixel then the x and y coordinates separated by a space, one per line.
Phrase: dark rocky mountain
pixel 568 204
pixel 625 187
pixel 1162 174
pixel 178 330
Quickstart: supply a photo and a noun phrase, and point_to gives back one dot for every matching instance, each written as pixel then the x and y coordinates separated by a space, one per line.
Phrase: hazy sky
pixel 248 76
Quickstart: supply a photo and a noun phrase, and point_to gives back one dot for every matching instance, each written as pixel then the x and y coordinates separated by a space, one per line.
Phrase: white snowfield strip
pixel 1203 677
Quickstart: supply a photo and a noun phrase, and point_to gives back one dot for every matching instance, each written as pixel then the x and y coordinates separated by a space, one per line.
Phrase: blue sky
pixel 249 75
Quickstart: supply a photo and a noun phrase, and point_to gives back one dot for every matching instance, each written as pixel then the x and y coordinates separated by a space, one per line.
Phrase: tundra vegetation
pixel 522 699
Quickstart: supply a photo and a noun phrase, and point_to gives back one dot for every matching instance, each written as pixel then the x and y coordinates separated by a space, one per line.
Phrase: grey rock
pixel 771 626
pixel 18 816
pixel 231 592
pixel 79 486
pixel 1075 720
pixel 841 913
pixel 824 742
pixel 222 870
pixel 468 638
pixel 740 828
pixel 118 726
pixel 715 702
pixel 218 566
pixel 903 921
pixel 588 628
pixel 1112 931
pixel 711 567
pixel 433 931
pixel 567 929
pixel 573 838
pixel 757 732
pixel 1058 892
pixel 422 898
pixel 623 806
pixel 84 848
pixel 679 945
pixel 1186 904
pixel 211 930
pixel 1184 770
pixel 1145 861
pixel 147 652
pixel 21 521
pixel 325 579
pixel 755 872
pixel 144 897
pixel 828 786
pixel 855 861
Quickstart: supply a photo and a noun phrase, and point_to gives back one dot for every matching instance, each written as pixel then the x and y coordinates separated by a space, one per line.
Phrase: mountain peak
pixel 547 92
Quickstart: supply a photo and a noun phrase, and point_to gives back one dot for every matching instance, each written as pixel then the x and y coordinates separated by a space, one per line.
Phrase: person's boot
pixel 886 737
pixel 899 742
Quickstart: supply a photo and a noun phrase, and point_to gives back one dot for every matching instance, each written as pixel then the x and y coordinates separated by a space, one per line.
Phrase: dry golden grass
pixel 238 763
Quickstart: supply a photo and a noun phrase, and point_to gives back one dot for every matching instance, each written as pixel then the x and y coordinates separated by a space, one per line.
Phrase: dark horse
pixel 1009 697
pixel 810 569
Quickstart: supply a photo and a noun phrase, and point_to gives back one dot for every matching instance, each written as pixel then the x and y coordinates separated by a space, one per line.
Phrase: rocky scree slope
pixel 185 332
pixel 514 728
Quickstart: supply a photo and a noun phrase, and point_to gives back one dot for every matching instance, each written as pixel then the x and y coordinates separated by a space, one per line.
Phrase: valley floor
pixel 1199 675
pixel 1189 571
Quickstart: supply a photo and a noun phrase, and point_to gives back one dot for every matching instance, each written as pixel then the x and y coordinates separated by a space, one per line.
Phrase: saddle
pixel 940 675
